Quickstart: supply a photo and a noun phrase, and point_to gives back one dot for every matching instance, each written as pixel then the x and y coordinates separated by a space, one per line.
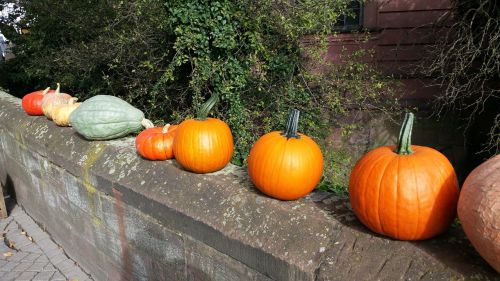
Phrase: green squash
pixel 106 117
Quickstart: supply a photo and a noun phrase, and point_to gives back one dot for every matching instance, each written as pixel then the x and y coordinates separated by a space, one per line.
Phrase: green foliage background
pixel 166 57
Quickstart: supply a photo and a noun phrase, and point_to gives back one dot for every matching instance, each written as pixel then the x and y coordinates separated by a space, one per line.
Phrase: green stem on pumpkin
pixel 205 108
pixel 292 125
pixel 404 140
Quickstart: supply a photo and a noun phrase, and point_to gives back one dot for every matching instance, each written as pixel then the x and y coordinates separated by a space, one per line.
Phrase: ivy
pixel 168 56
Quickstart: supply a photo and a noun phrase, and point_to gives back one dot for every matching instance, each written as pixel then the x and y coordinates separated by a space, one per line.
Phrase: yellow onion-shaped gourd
pixel 51 101
pixel 60 113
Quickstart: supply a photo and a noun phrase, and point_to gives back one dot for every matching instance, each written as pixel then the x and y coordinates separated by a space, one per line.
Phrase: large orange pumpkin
pixel 285 165
pixel 406 192
pixel 203 145
pixel 156 143
pixel 479 210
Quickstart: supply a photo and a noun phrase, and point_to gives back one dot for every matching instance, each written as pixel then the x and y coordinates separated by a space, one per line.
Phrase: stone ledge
pixel 296 240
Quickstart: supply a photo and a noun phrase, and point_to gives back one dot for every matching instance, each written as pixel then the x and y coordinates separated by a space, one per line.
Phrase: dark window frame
pixel 350 22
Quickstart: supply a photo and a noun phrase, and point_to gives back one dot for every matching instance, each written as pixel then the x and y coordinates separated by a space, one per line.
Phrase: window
pixel 352 20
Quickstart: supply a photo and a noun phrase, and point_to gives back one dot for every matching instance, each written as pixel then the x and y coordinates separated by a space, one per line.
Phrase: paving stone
pixel 37 266
pixel 77 275
pixel 10 276
pixel 31 257
pixel 44 276
pixel 38 258
pixel 49 267
pixel 54 253
pixel 19 240
pixel 58 276
pixel 47 245
pixel 26 276
pixel 65 266
pixel 43 258
pixel 22 266
pixel 18 256
pixel 39 237
pixel 37 233
pixel 32 248
pixel 4 249
pixel 12 226
pixel 9 266
pixel 58 259
pixel 4 223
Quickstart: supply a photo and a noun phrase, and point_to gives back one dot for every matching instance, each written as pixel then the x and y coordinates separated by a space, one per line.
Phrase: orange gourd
pixel 203 145
pixel 479 210
pixel 407 192
pixel 156 143
pixel 285 165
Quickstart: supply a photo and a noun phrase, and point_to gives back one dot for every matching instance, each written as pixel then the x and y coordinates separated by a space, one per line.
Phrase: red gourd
pixel 479 210
pixel 32 102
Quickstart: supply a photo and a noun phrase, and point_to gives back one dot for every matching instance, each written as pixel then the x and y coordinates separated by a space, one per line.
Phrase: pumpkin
pixel 60 113
pixel 32 102
pixel 203 145
pixel 51 101
pixel 156 143
pixel 407 192
pixel 104 117
pixel 285 165
pixel 479 210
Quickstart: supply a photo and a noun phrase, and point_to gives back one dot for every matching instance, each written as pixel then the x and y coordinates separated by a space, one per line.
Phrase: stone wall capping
pixel 148 220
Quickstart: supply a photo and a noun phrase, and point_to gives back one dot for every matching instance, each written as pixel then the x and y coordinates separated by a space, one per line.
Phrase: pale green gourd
pixel 106 117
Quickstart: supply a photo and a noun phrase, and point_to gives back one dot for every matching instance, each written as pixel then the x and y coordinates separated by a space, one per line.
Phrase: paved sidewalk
pixel 28 253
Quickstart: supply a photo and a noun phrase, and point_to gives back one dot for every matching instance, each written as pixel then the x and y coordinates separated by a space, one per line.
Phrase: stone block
pixel 206 263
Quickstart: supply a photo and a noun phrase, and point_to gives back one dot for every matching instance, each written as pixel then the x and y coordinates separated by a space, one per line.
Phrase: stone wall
pixel 125 218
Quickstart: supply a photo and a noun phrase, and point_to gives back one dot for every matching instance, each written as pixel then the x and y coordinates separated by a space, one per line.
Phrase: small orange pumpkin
pixel 479 210
pixel 156 143
pixel 406 192
pixel 285 165
pixel 203 145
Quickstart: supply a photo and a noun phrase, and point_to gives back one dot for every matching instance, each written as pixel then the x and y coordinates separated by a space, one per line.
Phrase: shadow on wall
pixel 9 193
pixel 452 248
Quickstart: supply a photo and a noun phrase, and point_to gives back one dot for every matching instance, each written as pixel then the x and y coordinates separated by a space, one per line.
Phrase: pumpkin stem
pixel 58 90
pixel 165 128
pixel 404 140
pixel 147 123
pixel 292 125
pixel 46 91
pixel 205 108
